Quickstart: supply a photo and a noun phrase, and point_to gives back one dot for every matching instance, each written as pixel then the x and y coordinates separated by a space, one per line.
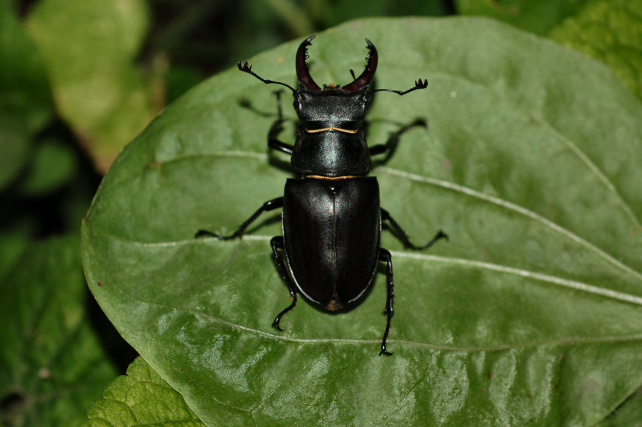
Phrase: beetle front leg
pixel 278 244
pixel 389 311
pixel 401 234
pixel 393 139
pixel 267 206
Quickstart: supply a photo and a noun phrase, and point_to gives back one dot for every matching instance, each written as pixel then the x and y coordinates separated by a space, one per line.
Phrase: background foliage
pixel 79 79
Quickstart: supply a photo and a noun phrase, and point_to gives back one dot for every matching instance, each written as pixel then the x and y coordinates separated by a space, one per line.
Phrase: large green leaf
pixel 52 362
pixel 532 313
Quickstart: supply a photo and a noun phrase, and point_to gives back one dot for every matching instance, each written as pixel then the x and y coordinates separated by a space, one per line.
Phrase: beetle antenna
pixel 419 84
pixel 247 68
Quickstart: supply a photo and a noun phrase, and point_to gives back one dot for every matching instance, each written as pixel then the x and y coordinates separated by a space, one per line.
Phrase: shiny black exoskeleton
pixel 331 214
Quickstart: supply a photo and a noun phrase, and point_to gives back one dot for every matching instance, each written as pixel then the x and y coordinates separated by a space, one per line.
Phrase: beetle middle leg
pixel 401 234
pixel 267 206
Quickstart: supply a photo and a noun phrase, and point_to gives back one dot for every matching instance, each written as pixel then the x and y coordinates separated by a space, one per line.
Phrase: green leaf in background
pixel 611 31
pixel 54 164
pixel 538 16
pixel 14 145
pixel 342 11
pixel 52 364
pixel 24 85
pixel 531 314
pixel 12 245
pixel 140 398
pixel 90 47
pixel 25 99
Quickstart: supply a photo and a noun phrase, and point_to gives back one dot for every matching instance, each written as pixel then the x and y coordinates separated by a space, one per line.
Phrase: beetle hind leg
pixel 277 244
pixel 389 311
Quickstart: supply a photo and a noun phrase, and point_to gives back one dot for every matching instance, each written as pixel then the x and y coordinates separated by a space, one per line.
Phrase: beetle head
pixel 340 106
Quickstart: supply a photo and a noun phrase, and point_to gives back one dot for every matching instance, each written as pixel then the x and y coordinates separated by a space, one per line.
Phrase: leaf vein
pixel 511 206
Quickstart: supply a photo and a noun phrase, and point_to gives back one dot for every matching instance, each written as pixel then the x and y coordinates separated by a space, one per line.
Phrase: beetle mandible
pixel 331 215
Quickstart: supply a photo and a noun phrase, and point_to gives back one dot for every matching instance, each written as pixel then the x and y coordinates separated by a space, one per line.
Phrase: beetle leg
pixel 401 235
pixel 276 129
pixel 389 311
pixel 393 139
pixel 277 243
pixel 267 206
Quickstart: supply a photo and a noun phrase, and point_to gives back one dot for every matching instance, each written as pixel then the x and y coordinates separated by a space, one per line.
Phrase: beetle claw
pixel 384 351
pixel 275 324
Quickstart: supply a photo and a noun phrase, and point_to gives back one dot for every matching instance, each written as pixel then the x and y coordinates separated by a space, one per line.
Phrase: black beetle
pixel 331 215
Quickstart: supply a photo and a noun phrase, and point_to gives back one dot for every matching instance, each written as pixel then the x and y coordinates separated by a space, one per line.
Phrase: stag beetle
pixel 331 215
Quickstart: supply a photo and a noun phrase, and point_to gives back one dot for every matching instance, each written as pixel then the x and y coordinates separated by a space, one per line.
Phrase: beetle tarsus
pixel 277 320
pixel 275 324
pixel 384 351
